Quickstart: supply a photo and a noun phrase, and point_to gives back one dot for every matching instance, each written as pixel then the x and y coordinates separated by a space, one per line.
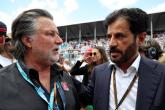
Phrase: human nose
pixel 112 41
pixel 58 40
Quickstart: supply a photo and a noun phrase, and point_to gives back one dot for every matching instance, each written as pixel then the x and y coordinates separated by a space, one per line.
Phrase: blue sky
pixel 67 12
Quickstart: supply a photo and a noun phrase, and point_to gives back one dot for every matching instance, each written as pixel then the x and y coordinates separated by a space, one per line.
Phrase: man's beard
pixel 126 55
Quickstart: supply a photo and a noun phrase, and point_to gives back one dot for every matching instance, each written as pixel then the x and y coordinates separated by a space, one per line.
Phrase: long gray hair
pixel 25 25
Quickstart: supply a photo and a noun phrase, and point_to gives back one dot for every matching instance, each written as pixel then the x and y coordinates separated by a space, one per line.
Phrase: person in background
pixel 81 66
pixel 142 50
pixel 153 49
pixel 128 81
pixel 99 55
pixel 35 82
pixel 64 64
pixel 93 57
pixel 67 64
pixel 6 57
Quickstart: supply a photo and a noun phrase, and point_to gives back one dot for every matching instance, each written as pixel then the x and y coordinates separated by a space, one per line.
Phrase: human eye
pixel 50 33
pixel 120 36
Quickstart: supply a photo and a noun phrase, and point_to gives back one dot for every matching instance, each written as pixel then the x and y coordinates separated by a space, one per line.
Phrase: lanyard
pixel 61 92
pixel 127 91
pixel 39 90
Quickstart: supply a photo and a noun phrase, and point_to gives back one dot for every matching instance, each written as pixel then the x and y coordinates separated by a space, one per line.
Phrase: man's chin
pixel 56 57
pixel 115 60
pixel 53 60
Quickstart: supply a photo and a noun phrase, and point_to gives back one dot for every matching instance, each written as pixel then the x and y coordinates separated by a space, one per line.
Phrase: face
pixel 122 43
pixel 96 56
pixel 45 43
pixel 2 41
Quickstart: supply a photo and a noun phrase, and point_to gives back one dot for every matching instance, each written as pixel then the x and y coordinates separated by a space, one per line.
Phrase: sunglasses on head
pixel 94 53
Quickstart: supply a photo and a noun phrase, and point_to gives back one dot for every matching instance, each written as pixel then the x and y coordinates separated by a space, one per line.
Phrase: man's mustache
pixel 114 49
pixel 56 48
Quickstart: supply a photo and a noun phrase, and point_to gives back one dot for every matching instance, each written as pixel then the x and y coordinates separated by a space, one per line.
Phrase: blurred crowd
pixel 74 50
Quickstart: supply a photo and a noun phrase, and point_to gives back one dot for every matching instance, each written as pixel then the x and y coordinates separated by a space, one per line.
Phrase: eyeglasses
pixel 94 53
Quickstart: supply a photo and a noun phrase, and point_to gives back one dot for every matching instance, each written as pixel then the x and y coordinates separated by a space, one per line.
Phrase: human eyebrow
pixel 52 33
pixel 120 36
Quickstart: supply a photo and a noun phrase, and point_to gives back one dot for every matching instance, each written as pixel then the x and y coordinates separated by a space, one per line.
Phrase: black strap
pixel 127 91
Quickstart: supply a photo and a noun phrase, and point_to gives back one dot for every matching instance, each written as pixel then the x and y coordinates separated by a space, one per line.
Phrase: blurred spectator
pixel 153 49
pixel 142 50
pixel 6 57
pixel 92 57
pixel 82 67
pixel 64 64
pixel 99 55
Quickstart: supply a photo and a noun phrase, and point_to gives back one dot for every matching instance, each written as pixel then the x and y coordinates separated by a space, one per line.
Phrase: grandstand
pixel 96 29
pixel 78 37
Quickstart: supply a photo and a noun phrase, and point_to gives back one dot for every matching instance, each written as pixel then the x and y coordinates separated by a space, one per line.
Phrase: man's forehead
pixel 48 30
pixel 44 23
pixel 118 27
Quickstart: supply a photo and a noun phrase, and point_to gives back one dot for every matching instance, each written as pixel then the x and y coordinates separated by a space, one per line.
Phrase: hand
pixel 88 60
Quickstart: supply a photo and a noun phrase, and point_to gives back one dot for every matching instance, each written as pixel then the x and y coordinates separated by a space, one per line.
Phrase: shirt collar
pixel 135 64
pixel 33 74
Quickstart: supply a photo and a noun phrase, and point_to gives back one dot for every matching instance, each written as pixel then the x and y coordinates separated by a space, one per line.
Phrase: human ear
pixel 27 41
